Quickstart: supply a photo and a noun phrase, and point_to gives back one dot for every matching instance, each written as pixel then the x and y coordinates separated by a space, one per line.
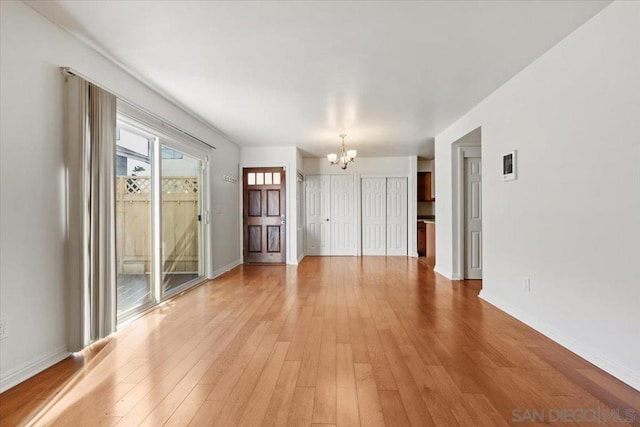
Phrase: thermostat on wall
pixel 509 166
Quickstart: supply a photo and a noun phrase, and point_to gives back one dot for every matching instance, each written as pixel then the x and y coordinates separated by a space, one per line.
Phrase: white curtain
pixel 90 129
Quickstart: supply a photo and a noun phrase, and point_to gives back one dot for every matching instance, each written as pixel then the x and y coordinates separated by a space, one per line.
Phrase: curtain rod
pixel 71 71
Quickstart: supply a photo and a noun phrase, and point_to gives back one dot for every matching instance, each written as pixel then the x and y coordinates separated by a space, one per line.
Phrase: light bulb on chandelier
pixel 344 158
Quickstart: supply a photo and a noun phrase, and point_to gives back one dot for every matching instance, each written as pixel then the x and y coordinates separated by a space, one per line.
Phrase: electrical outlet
pixel 3 328
pixel 527 284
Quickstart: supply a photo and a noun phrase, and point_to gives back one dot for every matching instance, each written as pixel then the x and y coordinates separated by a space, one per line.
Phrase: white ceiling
pixel 391 75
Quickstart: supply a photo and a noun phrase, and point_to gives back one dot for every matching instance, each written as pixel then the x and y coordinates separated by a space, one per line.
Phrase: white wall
pixel 300 222
pixel 32 222
pixel 225 210
pixel 287 157
pixel 380 166
pixel 571 221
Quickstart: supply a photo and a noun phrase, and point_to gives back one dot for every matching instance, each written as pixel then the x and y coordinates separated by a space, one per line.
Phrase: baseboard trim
pixel 300 258
pixel 621 372
pixel 220 271
pixel 29 369
pixel 442 272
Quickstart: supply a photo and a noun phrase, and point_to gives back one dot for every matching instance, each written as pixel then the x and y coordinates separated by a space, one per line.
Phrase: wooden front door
pixel 264 215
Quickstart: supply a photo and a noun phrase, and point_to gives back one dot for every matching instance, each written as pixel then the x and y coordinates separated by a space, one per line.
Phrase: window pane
pixel 133 222
pixel 267 178
pixel 168 153
pixel 132 143
pixel 260 178
pixel 180 224
pixel 251 178
pixel 276 178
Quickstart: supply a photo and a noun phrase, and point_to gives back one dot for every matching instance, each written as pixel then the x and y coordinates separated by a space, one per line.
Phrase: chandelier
pixel 344 158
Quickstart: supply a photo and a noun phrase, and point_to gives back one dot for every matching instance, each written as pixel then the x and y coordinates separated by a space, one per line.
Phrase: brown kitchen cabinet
pixel 422 238
pixel 431 243
pixel 425 193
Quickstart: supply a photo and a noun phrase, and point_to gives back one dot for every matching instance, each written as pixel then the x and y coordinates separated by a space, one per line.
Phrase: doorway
pixel 263 213
pixel 160 215
pixel 181 193
pixel 473 215
pixel 467 207
pixel 330 215
pixel 384 216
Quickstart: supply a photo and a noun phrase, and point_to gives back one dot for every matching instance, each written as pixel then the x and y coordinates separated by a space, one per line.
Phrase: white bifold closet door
pixel 317 241
pixel 396 216
pixel 331 215
pixel 384 216
pixel 343 214
pixel 374 216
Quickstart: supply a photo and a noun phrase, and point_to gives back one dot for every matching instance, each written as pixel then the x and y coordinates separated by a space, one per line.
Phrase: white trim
pixel 621 372
pixel 205 227
pixel 358 226
pixel 384 175
pixel 460 151
pixel 154 89
pixel 290 184
pixel 300 226
pixel 411 209
pixel 29 369
pixel 159 137
pixel 152 120
pixel 442 272
pixel 356 251
pixel 449 275
pixel 181 142
pixel 220 271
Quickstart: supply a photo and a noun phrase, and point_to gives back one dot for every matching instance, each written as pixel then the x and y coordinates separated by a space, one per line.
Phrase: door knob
pixel 327 219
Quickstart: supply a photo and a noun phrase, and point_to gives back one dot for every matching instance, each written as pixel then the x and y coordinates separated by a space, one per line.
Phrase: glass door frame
pixel 203 212
pixel 137 122
pixel 133 127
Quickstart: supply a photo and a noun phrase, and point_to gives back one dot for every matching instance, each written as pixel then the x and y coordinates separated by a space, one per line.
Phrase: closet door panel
pixel 318 237
pixel 342 219
pixel 396 213
pixel 373 216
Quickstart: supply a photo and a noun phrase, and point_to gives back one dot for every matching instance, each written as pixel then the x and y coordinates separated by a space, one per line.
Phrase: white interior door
pixel 396 216
pixel 318 237
pixel 473 217
pixel 342 219
pixel 373 195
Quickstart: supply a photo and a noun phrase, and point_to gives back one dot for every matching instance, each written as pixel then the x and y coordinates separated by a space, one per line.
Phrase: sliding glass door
pixel 159 217
pixel 134 219
pixel 181 220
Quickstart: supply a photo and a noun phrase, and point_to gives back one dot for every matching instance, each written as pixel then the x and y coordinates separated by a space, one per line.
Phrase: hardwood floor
pixel 336 341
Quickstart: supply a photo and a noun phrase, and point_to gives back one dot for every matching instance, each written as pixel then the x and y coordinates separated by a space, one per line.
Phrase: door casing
pixel 330 213
pixel 137 120
pixel 384 206
pixel 473 217
pixel 460 151
pixel 264 218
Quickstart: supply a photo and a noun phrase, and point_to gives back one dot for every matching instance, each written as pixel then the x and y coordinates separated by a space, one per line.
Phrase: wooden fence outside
pixel 180 227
